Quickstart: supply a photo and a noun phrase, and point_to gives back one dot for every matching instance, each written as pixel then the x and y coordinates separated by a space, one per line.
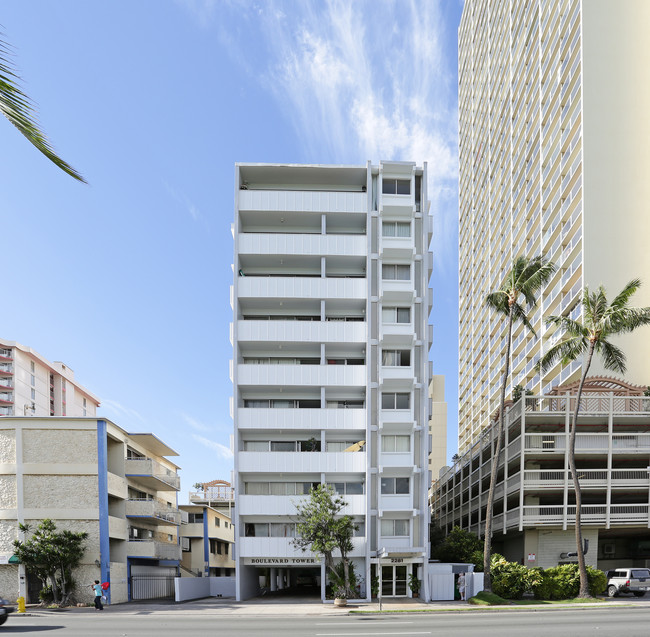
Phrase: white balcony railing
pixel 146 467
pixel 347 419
pixel 303 244
pixel 303 201
pixel 303 375
pixel 302 287
pixel 302 462
pixel 152 509
pixel 283 547
pixel 152 548
pixel 302 331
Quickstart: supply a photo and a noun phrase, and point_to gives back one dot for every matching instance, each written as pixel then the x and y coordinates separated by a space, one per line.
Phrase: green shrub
pixel 563 582
pixel 511 580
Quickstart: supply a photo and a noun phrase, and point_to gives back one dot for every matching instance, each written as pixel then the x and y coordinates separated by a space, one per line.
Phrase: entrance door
pixel 393 581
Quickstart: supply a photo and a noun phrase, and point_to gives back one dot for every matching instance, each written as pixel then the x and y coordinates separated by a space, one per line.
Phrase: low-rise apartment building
pixel 207 542
pixel 534 505
pixel 89 474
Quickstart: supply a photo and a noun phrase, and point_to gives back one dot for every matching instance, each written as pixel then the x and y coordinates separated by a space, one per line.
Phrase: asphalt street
pixel 632 621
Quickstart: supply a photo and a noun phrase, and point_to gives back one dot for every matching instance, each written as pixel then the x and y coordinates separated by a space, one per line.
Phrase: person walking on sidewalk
pixel 97 587
pixel 461 586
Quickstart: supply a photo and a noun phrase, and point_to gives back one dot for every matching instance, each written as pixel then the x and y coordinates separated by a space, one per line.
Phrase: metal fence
pixel 152 587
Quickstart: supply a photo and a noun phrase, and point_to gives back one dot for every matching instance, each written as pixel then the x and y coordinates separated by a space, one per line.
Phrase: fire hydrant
pixel 21 604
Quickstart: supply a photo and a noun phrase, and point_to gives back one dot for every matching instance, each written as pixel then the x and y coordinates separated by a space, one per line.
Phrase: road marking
pixel 353 622
pixel 356 634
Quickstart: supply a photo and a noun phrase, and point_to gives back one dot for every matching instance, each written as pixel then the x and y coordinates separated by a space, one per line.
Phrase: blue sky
pixel 127 279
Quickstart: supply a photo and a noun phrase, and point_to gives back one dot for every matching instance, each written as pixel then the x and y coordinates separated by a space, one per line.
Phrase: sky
pixel 126 280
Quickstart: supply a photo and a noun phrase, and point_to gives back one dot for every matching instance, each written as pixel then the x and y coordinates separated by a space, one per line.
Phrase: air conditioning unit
pixel 609 549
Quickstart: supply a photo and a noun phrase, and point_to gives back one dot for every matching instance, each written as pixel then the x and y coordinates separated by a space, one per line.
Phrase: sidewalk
pixel 303 607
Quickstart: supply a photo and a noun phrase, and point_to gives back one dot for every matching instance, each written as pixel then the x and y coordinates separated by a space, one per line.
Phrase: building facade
pixel 30 385
pixel 88 474
pixel 207 542
pixel 330 370
pixel 534 505
pixel 551 111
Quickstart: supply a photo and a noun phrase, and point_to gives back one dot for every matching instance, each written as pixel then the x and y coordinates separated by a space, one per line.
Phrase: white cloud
pixel 222 450
pixel 121 411
pixel 358 80
pixel 184 201
pixel 195 424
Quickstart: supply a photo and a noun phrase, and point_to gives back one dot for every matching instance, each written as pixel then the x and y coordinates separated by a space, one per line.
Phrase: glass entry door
pixel 393 581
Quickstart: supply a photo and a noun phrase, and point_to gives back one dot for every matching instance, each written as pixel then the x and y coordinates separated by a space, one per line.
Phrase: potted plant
pixel 374 586
pixel 414 584
pixel 340 598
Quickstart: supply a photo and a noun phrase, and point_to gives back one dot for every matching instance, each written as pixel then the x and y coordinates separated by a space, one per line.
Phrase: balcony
pixel 302 244
pixel 395 503
pixel 302 462
pixel 589 478
pixel 396 459
pixel 117 486
pixel 397 376
pixel 153 549
pixel 396 291
pixel 303 375
pixel 117 528
pixel 152 510
pixel 348 419
pixel 286 504
pixel 152 474
pixel 303 201
pixel 302 331
pixel 591 514
pixel 259 287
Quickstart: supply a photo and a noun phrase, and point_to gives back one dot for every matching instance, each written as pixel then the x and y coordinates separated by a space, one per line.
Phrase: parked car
pixel 5 609
pixel 628 580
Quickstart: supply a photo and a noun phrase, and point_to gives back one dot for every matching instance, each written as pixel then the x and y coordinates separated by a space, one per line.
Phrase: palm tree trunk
pixel 584 582
pixel 487 543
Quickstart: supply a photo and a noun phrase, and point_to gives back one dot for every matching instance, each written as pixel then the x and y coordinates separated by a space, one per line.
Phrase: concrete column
pixel 274 579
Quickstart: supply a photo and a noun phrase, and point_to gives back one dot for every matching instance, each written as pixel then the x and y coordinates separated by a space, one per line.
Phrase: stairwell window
pixel 393 315
pixel 396 358
pixel 394 486
pixel 393 400
pixel 394 528
pixel 396 444
pixel 399 229
pixel 395 272
pixel 396 186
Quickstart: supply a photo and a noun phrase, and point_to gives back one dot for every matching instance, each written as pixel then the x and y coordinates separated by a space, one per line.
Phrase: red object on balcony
pixel 6 402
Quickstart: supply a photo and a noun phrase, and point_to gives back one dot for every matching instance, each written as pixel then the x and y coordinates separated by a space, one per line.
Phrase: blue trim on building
pixel 206 544
pixel 102 482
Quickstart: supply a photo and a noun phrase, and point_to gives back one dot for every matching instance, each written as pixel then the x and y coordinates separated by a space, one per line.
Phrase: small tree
pixel 321 528
pixel 458 546
pixel 51 555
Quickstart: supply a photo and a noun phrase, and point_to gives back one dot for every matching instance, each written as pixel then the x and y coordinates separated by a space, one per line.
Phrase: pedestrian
pixel 461 586
pixel 97 587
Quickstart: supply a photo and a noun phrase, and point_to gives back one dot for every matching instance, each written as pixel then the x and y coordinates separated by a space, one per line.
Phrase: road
pixel 578 622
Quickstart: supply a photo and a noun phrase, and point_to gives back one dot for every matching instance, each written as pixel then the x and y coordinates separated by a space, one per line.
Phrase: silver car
pixel 628 580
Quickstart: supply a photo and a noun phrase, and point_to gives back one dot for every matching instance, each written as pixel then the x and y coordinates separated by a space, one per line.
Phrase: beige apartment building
pixel 207 542
pixel 89 474
pixel 553 123
pixel 30 385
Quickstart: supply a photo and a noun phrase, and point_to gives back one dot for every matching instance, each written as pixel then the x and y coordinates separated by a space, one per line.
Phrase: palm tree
pixel 524 281
pixel 601 320
pixel 18 109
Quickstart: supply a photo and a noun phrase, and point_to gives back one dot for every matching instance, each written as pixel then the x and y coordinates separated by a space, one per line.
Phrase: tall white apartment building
pixel 30 385
pixel 553 125
pixel 330 372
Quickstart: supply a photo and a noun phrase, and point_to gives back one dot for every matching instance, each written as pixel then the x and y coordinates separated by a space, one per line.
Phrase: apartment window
pixel 395 272
pixel 396 229
pixel 193 518
pixel 33 394
pixel 345 404
pixel 348 488
pixel 217 522
pixel 282 529
pixel 396 315
pixel 394 486
pixel 396 186
pixel 33 380
pixel 32 367
pixel 170 537
pixel 395 444
pixel 338 445
pixel 282 488
pixel 84 407
pixel 390 400
pixel 256 445
pixel 396 358
pixel 256 529
pixel 360 529
pixel 394 528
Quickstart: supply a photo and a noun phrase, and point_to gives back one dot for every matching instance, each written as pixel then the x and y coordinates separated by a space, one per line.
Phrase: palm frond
pixel 519 315
pixel 498 301
pixel 613 357
pixel 623 297
pixel 565 351
pixel 568 325
pixel 19 110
